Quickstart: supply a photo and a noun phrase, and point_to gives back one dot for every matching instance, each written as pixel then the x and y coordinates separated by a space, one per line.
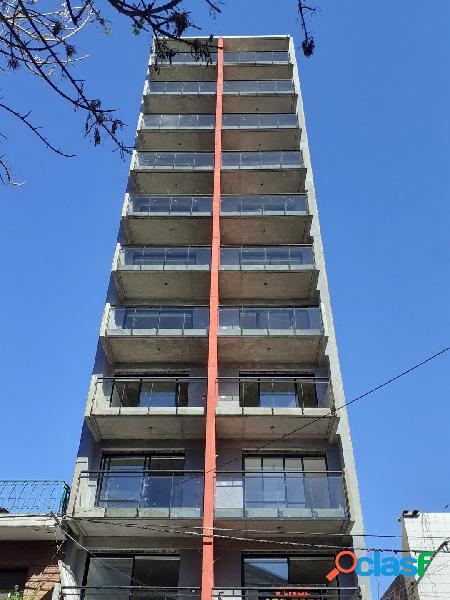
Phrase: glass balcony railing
pixel 159 321
pixel 280 495
pixel 264 205
pixel 256 57
pixel 259 121
pixel 170 205
pixel 163 493
pixel 262 160
pixel 270 258
pixel 181 121
pixel 266 86
pixel 150 392
pixel 176 258
pixel 33 497
pixel 232 58
pixel 175 160
pixel 204 161
pixel 229 121
pixel 288 391
pixel 263 321
pixel 182 87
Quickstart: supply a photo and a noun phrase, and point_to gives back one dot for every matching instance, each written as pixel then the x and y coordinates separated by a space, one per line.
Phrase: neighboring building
pixel 31 543
pixel 216 342
pixel 429 532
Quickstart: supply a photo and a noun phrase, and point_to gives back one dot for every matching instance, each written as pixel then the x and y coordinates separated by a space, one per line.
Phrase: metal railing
pixel 168 257
pixel 106 592
pixel 170 205
pixel 33 497
pixel 159 321
pixel 280 495
pixel 265 86
pixel 242 320
pixel 150 392
pixel 267 257
pixel 229 121
pixel 230 160
pixel 296 391
pixel 172 494
pixel 292 204
pixel 288 592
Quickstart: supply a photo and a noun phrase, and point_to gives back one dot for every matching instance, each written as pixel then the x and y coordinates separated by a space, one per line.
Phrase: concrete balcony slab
pixel 263 181
pixel 248 346
pixel 127 346
pixel 145 283
pixel 270 138
pixel 249 423
pixel 267 283
pixel 180 140
pixel 239 229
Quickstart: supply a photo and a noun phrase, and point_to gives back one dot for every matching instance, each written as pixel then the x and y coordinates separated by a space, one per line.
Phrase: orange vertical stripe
pixel 211 402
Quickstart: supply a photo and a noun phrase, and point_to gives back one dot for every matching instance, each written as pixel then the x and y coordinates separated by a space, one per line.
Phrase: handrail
pixel 279 472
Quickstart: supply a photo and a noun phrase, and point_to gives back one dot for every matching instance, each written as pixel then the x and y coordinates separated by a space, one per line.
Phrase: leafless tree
pixel 42 42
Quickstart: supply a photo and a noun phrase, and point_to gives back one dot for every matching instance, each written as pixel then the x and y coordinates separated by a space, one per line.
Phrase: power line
pixel 184 531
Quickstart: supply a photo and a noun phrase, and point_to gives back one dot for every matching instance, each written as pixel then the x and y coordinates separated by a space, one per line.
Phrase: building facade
pixel 31 541
pixel 215 458
pixel 429 532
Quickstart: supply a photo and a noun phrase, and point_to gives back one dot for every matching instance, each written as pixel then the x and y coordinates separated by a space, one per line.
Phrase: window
pixel 137 480
pixel 260 571
pixel 109 572
pixel 10 579
pixel 286 482
pixel 148 392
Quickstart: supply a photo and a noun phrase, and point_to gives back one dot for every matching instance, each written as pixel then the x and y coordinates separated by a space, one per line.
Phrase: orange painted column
pixel 211 401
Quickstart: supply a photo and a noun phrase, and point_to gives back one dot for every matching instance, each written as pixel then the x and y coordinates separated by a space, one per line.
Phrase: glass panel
pixel 206 121
pixel 158 394
pixel 109 572
pixel 169 121
pixel 308 394
pixel 202 204
pixel 248 393
pixel 277 394
pixel 181 204
pixel 125 393
pixel 270 571
pixel 280 318
pixel 157 571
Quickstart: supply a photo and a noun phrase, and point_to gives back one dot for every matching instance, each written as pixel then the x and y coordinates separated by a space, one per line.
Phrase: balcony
pixel 147 407
pixel 152 497
pixel 265 219
pixel 276 172
pixel 141 592
pixel 237 65
pixel 26 509
pixel 256 131
pixel 188 132
pixel 264 96
pixel 242 172
pixel 263 407
pixel 176 132
pixel 172 172
pixel 288 591
pixel 272 334
pixel 155 334
pixel 313 501
pixel 267 273
pixel 168 219
pixel 162 274
pixel 180 96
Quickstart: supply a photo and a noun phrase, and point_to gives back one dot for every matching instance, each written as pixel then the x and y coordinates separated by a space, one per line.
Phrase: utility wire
pixel 172 529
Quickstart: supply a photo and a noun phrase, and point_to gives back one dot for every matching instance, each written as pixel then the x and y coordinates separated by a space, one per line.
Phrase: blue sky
pixel 377 97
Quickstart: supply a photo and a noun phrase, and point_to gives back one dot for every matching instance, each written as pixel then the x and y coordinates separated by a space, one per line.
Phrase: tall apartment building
pixel 212 461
